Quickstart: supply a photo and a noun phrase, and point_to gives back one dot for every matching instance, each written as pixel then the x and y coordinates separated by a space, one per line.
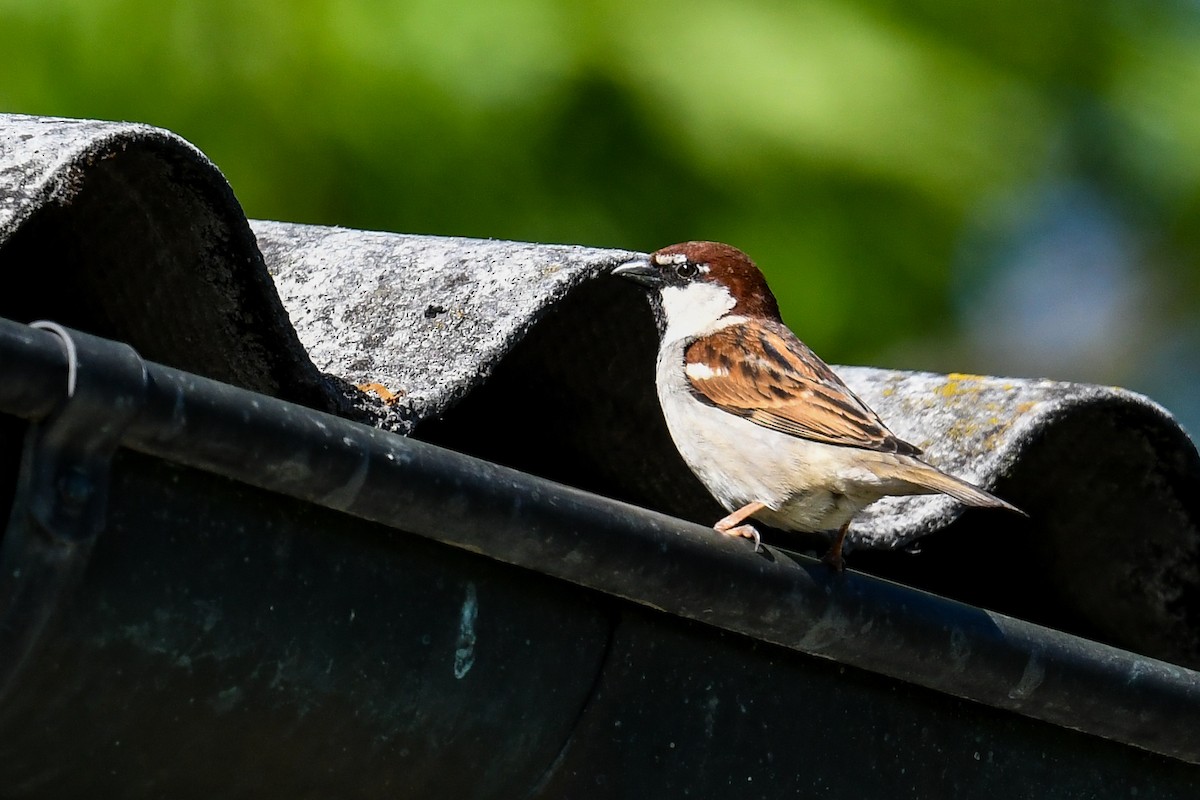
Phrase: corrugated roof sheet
pixel 529 355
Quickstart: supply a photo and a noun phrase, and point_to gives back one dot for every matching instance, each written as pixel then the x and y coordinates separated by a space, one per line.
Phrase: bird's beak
pixel 641 271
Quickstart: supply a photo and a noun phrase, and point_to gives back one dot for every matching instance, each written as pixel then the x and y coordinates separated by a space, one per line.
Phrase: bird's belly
pixel 814 511
pixel 806 485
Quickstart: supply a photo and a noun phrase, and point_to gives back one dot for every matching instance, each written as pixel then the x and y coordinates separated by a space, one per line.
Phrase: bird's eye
pixel 687 270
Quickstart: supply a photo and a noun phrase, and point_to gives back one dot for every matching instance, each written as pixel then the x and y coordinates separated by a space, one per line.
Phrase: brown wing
pixel 761 371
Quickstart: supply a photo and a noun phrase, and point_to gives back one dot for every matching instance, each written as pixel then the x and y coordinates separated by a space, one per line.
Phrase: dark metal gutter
pixel 641 556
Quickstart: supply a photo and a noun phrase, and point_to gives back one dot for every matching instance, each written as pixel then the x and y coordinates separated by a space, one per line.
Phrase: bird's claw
pixel 746 532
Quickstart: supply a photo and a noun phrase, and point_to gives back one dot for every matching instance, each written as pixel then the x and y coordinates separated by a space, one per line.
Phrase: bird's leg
pixel 729 525
pixel 834 557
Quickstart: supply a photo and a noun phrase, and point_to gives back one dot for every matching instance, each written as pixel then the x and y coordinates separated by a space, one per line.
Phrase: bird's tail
pixel 931 480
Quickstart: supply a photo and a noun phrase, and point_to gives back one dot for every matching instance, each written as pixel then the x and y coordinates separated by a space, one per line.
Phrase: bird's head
pixel 696 286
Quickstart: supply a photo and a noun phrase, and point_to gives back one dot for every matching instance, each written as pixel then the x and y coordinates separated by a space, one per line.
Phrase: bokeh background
pixel 1006 187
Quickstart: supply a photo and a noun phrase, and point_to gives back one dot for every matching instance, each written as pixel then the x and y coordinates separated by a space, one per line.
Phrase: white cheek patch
pixel 695 309
pixel 699 371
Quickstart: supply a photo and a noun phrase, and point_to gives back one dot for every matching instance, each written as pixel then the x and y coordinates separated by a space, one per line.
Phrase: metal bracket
pixel 62 490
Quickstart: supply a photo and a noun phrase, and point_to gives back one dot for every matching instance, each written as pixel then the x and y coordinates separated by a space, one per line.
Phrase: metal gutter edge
pixel 641 556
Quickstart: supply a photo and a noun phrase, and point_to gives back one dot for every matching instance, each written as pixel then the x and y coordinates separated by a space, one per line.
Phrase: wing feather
pixel 776 381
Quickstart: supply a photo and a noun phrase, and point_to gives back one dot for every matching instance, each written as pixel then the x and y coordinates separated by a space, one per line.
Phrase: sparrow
pixel 764 423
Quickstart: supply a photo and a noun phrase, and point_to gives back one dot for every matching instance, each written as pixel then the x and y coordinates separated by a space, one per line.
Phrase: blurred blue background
pixel 1009 188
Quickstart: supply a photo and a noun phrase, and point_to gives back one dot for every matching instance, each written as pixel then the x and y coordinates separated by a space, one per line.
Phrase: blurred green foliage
pixel 851 147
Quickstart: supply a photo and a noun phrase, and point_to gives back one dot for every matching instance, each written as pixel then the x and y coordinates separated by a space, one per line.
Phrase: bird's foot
pixel 729 525
pixel 833 559
pixel 746 531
